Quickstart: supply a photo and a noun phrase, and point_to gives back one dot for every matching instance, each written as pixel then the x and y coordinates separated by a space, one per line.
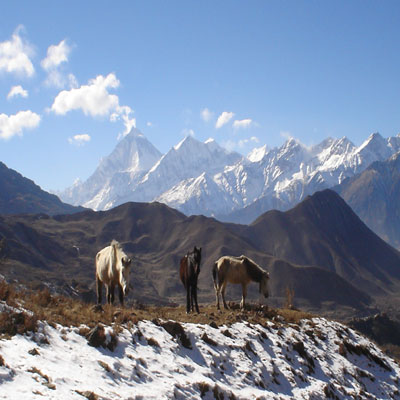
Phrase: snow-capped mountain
pixel 204 178
pixel 116 174
pixel 287 174
pixel 187 160
pixel 136 171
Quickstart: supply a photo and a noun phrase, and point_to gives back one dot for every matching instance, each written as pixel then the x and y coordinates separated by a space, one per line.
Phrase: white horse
pixel 112 269
pixel 238 270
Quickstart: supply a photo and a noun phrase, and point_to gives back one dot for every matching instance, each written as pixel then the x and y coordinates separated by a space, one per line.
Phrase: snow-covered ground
pixel 316 359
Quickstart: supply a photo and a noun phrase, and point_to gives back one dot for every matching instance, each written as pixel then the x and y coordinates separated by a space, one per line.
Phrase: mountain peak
pixel 134 132
pixel 188 140
pixel 257 154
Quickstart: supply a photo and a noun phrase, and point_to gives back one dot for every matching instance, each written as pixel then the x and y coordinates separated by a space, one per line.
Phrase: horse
pixel 238 270
pixel 112 269
pixel 189 272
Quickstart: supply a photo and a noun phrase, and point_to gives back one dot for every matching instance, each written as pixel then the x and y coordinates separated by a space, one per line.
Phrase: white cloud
pixel 224 118
pixel 15 55
pixel 55 78
pixel 206 114
pixel 11 125
pixel 124 113
pixel 188 132
pixel 95 100
pixel 286 135
pixel 17 91
pixel 149 124
pixel 79 140
pixel 242 124
pixel 231 145
pixel 56 54
pixel 242 143
pixel 73 82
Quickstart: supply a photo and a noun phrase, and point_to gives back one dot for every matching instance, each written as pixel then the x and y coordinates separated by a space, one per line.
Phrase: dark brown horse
pixel 189 272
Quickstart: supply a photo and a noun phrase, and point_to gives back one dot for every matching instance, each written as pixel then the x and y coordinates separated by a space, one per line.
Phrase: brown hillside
pixel 323 231
pixel 41 249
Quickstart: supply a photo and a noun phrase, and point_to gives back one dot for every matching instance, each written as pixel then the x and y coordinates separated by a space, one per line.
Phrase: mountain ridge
pixel 20 195
pixel 204 178
pixel 157 236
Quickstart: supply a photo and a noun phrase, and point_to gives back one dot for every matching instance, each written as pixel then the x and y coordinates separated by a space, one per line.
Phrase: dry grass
pixel 42 305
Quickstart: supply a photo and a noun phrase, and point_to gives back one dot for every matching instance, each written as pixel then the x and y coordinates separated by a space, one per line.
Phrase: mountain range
pixel 374 195
pixel 320 250
pixel 19 195
pixel 203 178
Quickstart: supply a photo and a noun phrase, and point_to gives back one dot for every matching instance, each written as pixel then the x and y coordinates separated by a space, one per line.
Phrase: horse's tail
pixel 214 274
pixel 113 254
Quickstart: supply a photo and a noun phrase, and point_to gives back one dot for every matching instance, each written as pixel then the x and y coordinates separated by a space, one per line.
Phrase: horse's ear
pixel 126 261
pixel 200 250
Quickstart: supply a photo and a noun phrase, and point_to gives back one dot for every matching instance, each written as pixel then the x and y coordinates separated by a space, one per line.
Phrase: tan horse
pixel 112 269
pixel 238 270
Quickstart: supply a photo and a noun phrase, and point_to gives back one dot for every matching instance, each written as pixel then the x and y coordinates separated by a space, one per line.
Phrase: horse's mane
pixel 116 244
pixel 255 272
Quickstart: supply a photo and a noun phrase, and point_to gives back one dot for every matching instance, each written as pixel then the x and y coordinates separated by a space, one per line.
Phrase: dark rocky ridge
pixel 19 195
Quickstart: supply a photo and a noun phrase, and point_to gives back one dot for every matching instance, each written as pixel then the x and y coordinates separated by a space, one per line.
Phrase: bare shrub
pixel 289 292
pixel 299 347
pixel 6 291
pixel 89 395
pixel 205 338
pixel 13 323
pixel 175 329
pixel 43 298
pixel 363 350
pixel 105 366
pixel 153 342
pixel 204 387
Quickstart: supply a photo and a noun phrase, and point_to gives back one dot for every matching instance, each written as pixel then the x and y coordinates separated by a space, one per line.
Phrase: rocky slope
pixel 19 195
pixel 374 195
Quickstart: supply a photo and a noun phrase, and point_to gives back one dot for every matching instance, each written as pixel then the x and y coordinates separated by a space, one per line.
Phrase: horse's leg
pixel 216 287
pixel 194 295
pixel 121 295
pixel 99 287
pixel 223 288
pixel 244 294
pixel 110 294
pixel 191 297
pixel 187 297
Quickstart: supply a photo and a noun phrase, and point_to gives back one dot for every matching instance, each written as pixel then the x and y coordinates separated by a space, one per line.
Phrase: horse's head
pixel 197 257
pixel 124 273
pixel 264 284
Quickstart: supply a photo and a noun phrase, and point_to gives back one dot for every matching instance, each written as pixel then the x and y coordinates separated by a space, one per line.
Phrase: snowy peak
pixel 204 178
pixel 376 146
pixel 257 154
pixel 134 153
pixel 132 157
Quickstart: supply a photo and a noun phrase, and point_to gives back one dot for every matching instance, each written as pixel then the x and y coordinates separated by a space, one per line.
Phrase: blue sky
pixel 74 76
